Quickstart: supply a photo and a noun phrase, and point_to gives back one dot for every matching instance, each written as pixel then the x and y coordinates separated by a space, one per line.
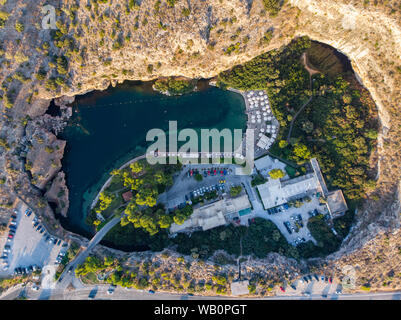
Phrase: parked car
pixel 92 294
pixel 111 289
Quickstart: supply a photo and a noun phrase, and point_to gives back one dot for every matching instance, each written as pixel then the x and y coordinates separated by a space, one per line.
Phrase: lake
pixel 109 128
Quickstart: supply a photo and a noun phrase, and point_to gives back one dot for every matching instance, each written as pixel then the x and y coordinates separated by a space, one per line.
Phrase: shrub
pixel 19 26
pixel 273 7
pixel 276 174
pixel 186 12
pixel 235 191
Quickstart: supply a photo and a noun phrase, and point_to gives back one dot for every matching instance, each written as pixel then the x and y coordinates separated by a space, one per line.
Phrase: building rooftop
pixel 239 287
pixel 276 192
pixel 336 202
pixel 212 215
pixel 127 196
pixel 319 176
pixel 267 163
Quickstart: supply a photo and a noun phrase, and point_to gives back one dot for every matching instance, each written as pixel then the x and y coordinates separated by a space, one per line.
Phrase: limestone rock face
pixel 107 43
pixel 58 194
pixel 44 155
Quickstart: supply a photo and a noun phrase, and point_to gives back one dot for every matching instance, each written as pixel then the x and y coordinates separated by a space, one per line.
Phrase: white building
pixel 212 215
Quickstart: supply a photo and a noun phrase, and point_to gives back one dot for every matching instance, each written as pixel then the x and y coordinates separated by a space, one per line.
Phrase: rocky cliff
pixel 98 43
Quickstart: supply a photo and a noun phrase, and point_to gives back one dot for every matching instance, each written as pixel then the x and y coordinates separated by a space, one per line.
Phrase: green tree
pixel 282 144
pixel 276 173
pixel 235 190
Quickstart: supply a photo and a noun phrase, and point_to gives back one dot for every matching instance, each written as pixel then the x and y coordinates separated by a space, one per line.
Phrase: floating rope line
pixel 142 100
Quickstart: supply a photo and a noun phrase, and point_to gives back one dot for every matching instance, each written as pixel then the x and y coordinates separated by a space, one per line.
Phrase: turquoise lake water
pixel 109 128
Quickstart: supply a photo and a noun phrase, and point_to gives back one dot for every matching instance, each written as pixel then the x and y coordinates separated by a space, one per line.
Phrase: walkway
pixel 68 275
pixel 311 73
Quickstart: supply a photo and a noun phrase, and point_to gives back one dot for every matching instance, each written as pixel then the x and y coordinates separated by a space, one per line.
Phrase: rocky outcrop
pixel 108 43
pixel 44 156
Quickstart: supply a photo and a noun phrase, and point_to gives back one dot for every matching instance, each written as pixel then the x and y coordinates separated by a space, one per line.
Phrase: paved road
pixel 67 277
pixel 132 294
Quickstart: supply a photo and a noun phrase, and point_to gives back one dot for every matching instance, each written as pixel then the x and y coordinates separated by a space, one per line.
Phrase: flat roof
pixel 319 176
pixel 213 215
pixel 271 193
pixel 275 192
pixel 336 202
pixel 265 162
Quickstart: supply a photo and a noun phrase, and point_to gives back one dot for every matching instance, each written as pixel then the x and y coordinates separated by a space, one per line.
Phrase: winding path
pixel 311 73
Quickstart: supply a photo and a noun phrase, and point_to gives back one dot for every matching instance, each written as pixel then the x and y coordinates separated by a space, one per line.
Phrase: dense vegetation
pixel 259 239
pixel 338 126
pixel 273 7
pixel 154 275
pixel 173 86
pixel 145 182
pixel 327 242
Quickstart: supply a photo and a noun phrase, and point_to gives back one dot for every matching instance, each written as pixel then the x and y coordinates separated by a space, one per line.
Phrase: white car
pixel 35 287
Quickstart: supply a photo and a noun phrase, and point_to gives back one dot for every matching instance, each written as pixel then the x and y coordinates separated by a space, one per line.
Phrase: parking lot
pixel 291 221
pixel 312 285
pixel 29 247
pixel 214 177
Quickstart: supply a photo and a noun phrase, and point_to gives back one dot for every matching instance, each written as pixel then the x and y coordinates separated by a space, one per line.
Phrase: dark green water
pixel 109 128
